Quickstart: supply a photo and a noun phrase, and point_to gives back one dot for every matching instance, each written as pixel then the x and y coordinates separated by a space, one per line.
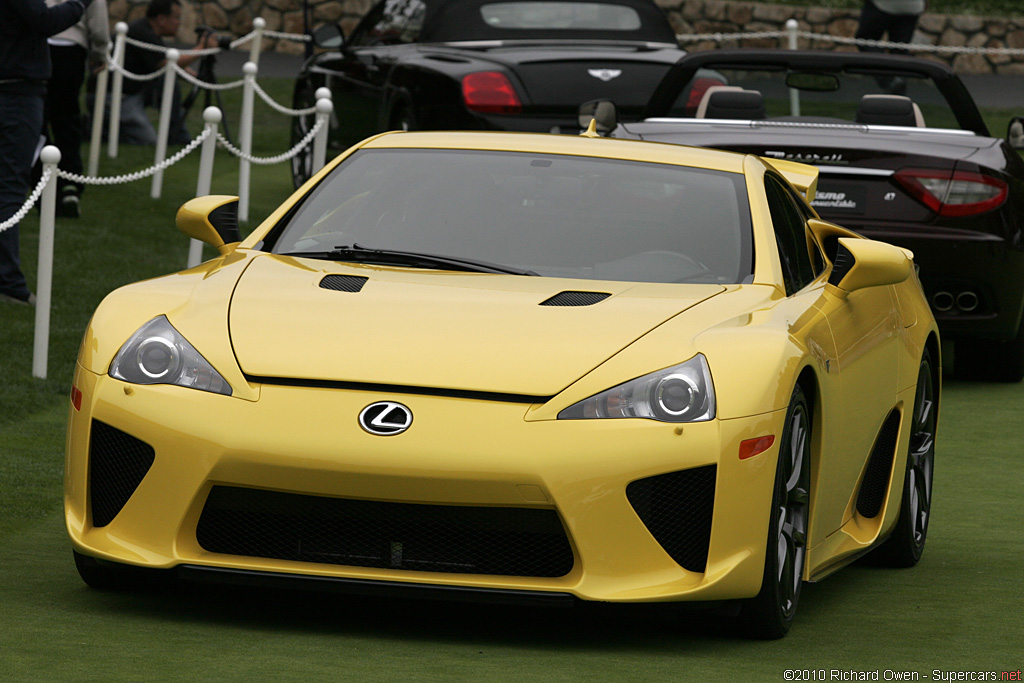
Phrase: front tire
pixel 904 547
pixel 770 614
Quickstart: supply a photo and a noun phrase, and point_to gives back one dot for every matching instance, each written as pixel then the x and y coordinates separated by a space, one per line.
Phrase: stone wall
pixel 689 17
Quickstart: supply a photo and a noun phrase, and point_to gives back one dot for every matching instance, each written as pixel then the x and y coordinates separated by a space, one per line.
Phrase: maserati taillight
pixel 490 92
pixel 953 193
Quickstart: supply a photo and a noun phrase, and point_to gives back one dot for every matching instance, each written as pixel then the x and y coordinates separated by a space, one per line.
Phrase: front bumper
pixel 462 460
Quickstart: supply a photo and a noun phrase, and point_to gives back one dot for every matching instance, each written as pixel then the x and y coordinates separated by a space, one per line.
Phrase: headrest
pixel 729 103
pixel 889 110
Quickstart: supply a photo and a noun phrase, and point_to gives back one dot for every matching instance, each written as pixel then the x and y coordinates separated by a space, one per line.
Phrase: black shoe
pixel 70 204
pixel 29 300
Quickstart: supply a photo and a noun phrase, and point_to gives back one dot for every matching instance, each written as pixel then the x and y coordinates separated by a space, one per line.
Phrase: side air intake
pixel 343 283
pixel 876 478
pixel 576 299
pixel 117 464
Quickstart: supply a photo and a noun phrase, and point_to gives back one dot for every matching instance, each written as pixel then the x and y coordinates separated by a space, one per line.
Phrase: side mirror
pixel 862 263
pixel 212 219
pixel 329 37
pixel 602 112
pixel 1015 132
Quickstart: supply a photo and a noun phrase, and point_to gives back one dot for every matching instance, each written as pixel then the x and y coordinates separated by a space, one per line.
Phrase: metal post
pixel 245 139
pixel 324 107
pixel 794 94
pixel 114 125
pixel 258 25
pixel 166 103
pixel 50 157
pixel 98 107
pixel 212 116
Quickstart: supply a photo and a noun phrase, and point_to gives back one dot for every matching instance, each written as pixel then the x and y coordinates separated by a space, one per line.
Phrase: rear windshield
pixel 557 215
pixel 560 15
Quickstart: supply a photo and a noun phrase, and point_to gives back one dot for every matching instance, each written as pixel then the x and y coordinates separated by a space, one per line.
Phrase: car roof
pixel 453 20
pixel 577 145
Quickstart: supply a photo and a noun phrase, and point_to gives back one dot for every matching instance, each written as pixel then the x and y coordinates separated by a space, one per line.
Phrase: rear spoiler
pixel 804 177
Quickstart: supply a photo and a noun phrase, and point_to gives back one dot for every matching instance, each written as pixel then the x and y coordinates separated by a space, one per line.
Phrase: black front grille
pixel 363 533
pixel 677 509
pixel 876 478
pixel 570 298
pixel 117 464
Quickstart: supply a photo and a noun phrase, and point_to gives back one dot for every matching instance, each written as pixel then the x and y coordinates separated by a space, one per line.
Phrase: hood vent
pixel 576 299
pixel 343 283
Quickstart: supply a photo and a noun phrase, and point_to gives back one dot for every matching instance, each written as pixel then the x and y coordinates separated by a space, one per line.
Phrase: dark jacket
pixel 24 27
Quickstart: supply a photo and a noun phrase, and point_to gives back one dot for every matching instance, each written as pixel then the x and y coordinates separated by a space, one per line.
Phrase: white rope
pixel 204 84
pixel 32 199
pixel 300 37
pixel 114 66
pixel 279 107
pixel 138 175
pixel 266 161
pixel 163 48
pixel 861 42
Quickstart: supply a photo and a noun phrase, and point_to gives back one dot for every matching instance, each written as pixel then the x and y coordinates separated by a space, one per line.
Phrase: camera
pixel 223 42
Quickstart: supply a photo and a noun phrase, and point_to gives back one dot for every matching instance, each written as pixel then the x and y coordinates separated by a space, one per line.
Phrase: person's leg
pixel 21 121
pixel 901 30
pixel 63 117
pixel 873 23
pixel 136 128
pixel 178 133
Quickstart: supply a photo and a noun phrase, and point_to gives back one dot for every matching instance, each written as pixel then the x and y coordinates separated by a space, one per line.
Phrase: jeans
pixel 21 123
pixel 63 114
pixel 136 128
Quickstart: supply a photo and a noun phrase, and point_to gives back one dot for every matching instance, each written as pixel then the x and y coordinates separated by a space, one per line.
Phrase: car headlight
pixel 158 354
pixel 682 393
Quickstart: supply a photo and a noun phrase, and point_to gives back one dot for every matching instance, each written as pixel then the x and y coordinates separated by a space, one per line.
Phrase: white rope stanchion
pixel 204 179
pixel 121 29
pixel 258 25
pixel 794 94
pixel 50 157
pixel 245 140
pixel 98 106
pixel 166 108
pixel 324 107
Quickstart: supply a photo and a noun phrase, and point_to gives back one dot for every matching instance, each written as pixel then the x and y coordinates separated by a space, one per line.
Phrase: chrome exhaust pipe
pixel 967 301
pixel 943 301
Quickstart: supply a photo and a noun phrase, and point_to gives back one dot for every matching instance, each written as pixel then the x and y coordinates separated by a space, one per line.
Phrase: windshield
pixel 554 215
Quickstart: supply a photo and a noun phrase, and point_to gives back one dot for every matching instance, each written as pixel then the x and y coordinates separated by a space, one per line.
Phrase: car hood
pixel 442 330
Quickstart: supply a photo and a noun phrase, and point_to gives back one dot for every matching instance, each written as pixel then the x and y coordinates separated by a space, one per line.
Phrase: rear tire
pixel 770 614
pixel 904 547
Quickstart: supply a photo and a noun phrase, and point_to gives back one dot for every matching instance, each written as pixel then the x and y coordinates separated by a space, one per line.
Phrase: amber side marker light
pixel 76 397
pixel 752 447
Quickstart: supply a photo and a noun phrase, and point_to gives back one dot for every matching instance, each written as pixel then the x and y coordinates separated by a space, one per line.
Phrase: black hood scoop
pixel 571 298
pixel 343 283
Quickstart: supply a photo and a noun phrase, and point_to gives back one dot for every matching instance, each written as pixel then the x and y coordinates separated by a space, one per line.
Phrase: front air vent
pixel 343 283
pixel 117 464
pixel 454 539
pixel 575 299
pixel 677 509
pixel 879 470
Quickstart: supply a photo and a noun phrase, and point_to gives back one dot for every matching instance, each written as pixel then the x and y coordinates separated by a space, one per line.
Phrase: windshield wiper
pixel 360 254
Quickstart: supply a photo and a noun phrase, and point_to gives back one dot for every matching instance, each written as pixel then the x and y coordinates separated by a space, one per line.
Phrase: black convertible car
pixel 484 65
pixel 904 156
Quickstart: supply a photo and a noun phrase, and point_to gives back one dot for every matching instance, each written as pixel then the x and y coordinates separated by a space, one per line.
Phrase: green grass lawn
pixel 959 610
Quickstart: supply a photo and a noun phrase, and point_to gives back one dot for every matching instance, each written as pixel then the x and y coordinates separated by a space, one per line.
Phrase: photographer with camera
pixel 163 18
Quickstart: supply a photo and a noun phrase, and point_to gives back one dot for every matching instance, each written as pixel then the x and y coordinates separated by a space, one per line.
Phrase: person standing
pixel 163 17
pixel 24 69
pixel 897 18
pixel 71 51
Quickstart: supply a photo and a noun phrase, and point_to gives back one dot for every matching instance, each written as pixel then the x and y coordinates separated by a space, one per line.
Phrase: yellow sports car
pixel 516 367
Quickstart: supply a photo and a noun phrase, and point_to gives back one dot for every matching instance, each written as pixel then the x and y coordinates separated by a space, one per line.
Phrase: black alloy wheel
pixel 904 547
pixel 770 614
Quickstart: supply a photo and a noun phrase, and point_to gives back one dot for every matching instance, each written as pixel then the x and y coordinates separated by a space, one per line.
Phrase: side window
pixel 391 22
pixel 790 235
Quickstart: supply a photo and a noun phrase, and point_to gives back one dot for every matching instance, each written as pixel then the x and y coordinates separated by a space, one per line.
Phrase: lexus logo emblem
pixel 605 74
pixel 385 418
